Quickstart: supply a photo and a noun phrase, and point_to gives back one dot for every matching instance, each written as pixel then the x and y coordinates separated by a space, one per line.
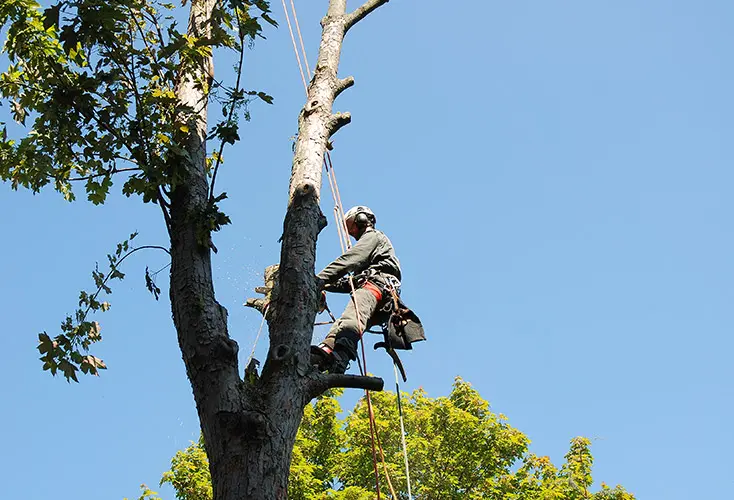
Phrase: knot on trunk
pixel 224 348
pixel 305 190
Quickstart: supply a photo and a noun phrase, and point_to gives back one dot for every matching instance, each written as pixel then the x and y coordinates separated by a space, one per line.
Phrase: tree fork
pixel 250 426
pixel 298 301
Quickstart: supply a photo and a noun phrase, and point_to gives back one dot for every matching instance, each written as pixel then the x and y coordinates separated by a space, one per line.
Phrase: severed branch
pixel 324 381
pixel 270 290
pixel 362 12
pixel 337 121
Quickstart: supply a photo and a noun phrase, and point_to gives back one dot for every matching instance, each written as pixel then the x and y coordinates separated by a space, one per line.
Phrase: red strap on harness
pixel 372 288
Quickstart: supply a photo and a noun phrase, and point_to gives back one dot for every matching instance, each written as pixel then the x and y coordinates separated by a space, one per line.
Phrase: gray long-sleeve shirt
pixel 372 251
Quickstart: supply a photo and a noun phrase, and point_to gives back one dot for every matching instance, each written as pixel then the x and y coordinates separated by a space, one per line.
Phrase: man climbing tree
pixel 376 277
pixel 116 90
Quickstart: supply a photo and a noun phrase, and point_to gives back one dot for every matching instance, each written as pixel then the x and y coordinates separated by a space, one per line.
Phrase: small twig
pixel 362 12
pixel 139 109
pixel 154 20
pixel 145 147
pixel 86 113
pixel 233 105
pixel 29 87
pixel 145 42
pixel 114 268
pixel 104 174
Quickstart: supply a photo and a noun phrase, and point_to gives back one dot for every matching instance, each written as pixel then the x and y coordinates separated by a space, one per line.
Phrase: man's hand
pixel 320 283
pixel 342 285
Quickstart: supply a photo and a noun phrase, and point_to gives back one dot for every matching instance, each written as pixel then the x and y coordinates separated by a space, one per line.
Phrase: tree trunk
pixel 249 426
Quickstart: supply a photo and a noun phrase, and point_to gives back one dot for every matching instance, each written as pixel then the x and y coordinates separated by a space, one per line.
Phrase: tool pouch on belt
pixel 402 329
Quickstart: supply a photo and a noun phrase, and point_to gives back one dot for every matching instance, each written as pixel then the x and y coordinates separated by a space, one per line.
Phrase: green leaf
pixel 265 97
pixel 45 344
pixel 69 370
pixel 269 19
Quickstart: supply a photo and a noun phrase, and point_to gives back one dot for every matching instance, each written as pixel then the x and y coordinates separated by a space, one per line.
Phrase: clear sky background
pixel 556 178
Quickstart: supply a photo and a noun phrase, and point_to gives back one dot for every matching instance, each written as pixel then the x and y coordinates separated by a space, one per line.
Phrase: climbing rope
pixel 402 430
pixel 345 244
pixel 257 337
pixel 295 47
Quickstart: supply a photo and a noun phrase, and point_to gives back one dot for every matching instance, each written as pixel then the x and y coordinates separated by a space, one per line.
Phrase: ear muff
pixel 362 220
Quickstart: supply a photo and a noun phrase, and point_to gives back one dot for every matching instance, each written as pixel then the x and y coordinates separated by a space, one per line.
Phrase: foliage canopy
pixel 457 447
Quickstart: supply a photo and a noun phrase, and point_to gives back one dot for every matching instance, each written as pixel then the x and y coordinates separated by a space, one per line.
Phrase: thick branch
pixel 342 85
pixel 325 381
pixel 362 12
pixel 337 121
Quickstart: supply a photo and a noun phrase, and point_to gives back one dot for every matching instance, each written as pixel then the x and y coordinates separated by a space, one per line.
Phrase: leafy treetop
pixel 457 447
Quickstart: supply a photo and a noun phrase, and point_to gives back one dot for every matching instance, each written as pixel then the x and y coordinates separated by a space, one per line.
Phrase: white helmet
pixel 358 219
pixel 353 212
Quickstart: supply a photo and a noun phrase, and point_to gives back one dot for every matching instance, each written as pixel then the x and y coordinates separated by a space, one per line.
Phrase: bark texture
pixel 249 426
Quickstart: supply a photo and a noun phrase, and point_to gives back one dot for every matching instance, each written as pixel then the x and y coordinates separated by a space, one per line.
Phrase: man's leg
pixel 345 333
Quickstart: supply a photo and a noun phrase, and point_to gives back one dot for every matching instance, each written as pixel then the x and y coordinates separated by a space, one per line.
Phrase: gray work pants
pixel 347 330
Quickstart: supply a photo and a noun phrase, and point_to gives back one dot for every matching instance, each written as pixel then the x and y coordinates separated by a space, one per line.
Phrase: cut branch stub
pixel 337 121
pixel 270 292
pixel 342 85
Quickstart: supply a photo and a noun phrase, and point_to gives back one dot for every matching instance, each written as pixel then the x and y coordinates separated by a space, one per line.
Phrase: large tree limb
pixel 362 12
pixel 325 381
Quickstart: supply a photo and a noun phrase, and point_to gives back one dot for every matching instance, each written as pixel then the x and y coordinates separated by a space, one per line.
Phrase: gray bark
pixel 250 426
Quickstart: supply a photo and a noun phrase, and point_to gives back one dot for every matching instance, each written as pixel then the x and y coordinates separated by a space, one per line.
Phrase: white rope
pixel 402 431
pixel 254 346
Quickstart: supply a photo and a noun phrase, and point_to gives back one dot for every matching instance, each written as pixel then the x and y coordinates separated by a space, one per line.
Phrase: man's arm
pixel 342 285
pixel 356 258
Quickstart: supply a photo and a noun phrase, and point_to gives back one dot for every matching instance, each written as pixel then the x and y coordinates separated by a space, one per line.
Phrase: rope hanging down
pixel 402 430
pixel 345 244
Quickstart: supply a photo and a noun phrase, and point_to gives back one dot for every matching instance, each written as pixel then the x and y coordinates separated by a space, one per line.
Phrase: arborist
pixel 376 279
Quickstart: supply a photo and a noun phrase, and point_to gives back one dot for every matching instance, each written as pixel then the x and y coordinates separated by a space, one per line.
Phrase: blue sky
pixel 556 179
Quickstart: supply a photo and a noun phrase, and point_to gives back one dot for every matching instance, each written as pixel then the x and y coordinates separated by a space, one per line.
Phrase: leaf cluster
pixel 147 494
pixel 68 351
pixel 189 474
pixel 94 85
pixel 100 79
